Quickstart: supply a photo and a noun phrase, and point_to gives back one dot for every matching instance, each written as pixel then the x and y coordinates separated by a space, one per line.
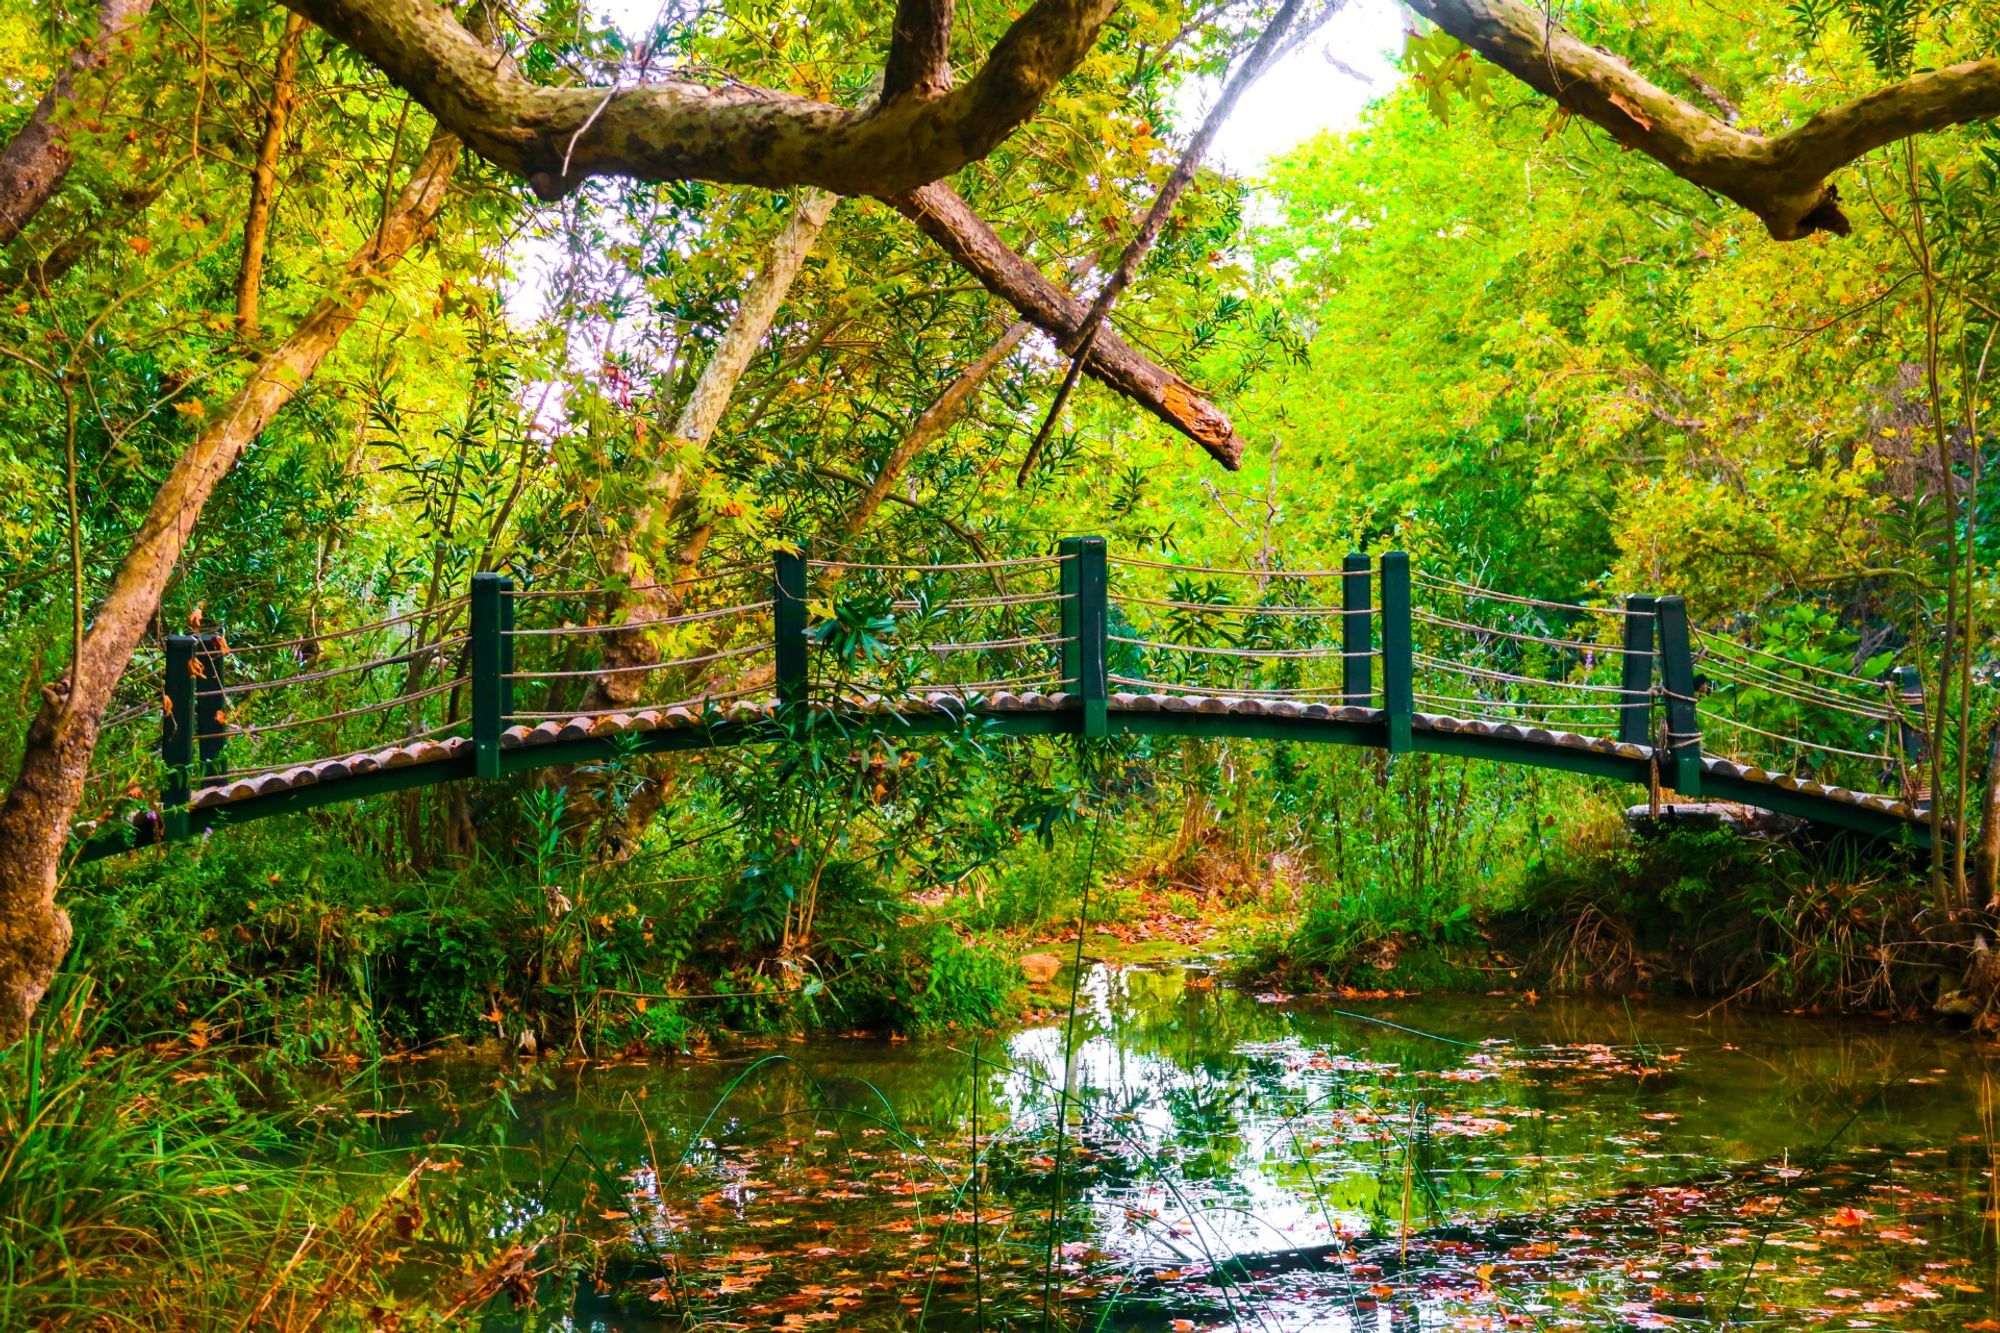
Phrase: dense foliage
pixel 1468 328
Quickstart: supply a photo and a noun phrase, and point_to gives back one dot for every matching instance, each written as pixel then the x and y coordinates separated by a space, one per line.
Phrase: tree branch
pixel 672 129
pixel 264 178
pixel 947 219
pixel 1079 344
pixel 36 159
pixel 1782 179
pixel 919 51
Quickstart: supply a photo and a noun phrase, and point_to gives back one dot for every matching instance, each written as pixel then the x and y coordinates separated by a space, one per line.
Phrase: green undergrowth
pixel 315 950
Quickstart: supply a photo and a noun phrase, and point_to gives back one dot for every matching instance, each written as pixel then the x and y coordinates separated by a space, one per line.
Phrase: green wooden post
pixel 1398 651
pixel 211 704
pixel 1635 714
pixel 506 651
pixel 1357 632
pixel 489 670
pixel 1683 745
pixel 177 733
pixel 788 618
pixel 1086 624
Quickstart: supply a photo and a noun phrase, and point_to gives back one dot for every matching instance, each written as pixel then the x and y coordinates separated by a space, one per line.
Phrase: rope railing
pixel 423 655
pixel 232 731
pixel 1265 609
pixel 1489 594
pixel 1397 674
pixel 639 668
pixel 1287 654
pixel 1020 562
pixel 657 622
pixel 711 697
pixel 1139 562
pixel 443 608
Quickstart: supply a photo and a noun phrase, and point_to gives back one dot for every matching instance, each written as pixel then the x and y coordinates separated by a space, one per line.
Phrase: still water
pixel 1234 1160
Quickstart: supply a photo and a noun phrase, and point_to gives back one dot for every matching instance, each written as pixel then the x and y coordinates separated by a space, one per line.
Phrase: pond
pixel 1274 1163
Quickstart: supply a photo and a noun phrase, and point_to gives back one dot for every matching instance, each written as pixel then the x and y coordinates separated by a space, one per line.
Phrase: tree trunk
pixel 975 247
pixel 935 420
pixel 34 162
pixel 35 817
pixel 1986 852
pixel 264 178
pixel 699 416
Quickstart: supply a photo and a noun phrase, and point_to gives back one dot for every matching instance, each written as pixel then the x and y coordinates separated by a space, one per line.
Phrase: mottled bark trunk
pixel 36 159
pixel 264 178
pixel 699 416
pixel 973 244
pixel 35 817
pixel 1986 852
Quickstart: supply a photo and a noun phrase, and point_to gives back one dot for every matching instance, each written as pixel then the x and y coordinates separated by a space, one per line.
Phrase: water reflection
pixel 1286 1164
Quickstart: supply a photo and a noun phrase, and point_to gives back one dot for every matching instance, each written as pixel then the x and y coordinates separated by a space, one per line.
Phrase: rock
pixel 1749 820
pixel 1040 968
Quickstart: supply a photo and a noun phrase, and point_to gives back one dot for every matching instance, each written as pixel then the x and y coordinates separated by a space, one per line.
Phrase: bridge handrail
pixel 1655 658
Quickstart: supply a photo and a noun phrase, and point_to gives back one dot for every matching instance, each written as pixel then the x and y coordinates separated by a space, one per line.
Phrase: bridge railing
pixel 1787 713
pixel 231 711
pixel 1559 666
pixel 1372 643
pixel 1210 631
pixel 878 633
pixel 699 641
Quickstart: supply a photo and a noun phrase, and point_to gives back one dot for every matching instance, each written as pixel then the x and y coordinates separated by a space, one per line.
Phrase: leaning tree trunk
pixel 35 817
pixel 696 425
pixel 1986 852
pixel 36 159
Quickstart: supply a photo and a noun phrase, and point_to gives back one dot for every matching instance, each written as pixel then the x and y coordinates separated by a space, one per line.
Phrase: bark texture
pixel 1079 343
pixel 1781 178
pixel 666 486
pixel 264 177
pixel 1986 852
pixel 36 159
pixel 674 129
pixel 35 817
pixel 978 249
pixel 919 63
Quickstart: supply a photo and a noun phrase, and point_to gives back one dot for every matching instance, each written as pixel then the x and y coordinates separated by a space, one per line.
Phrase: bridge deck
pixel 582 738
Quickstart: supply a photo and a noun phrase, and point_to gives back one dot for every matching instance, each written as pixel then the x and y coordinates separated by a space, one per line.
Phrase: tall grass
pixel 145 1184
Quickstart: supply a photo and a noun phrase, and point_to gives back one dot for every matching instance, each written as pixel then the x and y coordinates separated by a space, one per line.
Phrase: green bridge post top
pixel 788 627
pixel 1086 629
pixel 1635 715
pixel 1399 702
pixel 1682 743
pixel 491 615
pixel 1357 631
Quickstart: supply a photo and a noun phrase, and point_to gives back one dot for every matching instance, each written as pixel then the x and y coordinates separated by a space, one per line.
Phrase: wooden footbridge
pixel 488 684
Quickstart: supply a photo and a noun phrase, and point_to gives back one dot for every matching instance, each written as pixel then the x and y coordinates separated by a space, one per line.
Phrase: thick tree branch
pixel 1078 345
pixel 264 178
pixel 1782 179
pixel 919 62
pixel 36 159
pixel 947 219
pixel 675 130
